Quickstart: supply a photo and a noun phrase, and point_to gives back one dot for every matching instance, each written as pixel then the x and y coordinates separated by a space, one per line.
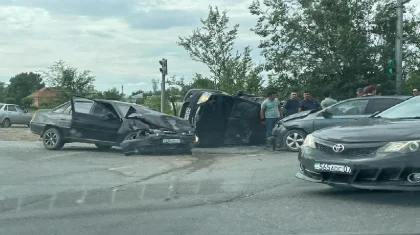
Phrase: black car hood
pixel 300 115
pixel 372 130
pixel 159 120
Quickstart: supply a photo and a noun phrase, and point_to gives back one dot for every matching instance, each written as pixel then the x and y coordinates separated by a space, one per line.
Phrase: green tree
pixel 213 45
pixel 112 94
pixel 26 102
pixel 3 91
pixel 153 102
pixel 69 81
pixel 24 84
pixel 328 44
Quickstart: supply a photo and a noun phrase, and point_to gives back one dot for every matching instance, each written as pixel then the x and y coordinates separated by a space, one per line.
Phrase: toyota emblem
pixel 338 148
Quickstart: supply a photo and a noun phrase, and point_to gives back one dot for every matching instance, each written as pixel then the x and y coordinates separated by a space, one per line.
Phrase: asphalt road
pixel 238 190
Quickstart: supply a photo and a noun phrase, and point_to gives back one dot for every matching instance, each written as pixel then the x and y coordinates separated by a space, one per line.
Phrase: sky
pixel 120 41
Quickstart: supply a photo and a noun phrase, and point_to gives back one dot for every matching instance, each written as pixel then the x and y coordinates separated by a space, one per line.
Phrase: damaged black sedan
pixel 382 152
pixel 108 123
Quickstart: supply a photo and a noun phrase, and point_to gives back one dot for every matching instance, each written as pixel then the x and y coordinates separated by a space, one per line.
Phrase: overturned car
pixel 223 119
pixel 107 123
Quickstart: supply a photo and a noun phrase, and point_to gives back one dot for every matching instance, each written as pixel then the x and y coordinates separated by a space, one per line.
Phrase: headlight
pixel 401 147
pixel 309 141
pixel 204 97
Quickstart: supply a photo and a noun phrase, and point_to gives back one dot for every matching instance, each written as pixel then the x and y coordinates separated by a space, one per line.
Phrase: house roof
pixel 44 92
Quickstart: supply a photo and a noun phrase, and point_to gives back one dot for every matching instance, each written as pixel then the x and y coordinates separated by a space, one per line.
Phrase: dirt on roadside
pixel 17 133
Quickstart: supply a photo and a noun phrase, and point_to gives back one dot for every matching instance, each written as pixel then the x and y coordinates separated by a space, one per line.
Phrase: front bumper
pixel 383 172
pixel 158 144
pixel 277 135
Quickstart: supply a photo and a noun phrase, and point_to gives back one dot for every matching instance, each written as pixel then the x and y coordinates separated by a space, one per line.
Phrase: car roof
pixel 401 97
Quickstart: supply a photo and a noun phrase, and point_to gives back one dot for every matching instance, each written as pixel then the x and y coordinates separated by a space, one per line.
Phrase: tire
pixel 293 139
pixel 53 139
pixel 6 123
pixel 103 147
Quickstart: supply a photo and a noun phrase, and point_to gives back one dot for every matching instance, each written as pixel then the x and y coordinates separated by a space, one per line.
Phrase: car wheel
pixel 52 139
pixel 6 123
pixel 100 146
pixel 293 139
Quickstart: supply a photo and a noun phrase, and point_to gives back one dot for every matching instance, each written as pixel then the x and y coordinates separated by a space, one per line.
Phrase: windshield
pixel 407 109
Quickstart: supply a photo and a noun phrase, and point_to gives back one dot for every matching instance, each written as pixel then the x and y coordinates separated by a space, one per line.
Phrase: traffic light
pixel 164 66
pixel 391 67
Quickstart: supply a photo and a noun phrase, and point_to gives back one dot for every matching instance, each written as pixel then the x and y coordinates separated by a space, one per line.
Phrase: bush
pixel 10 100
pixel 26 102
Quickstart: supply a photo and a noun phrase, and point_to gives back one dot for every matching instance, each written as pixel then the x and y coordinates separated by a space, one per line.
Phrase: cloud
pixel 120 41
pixel 135 84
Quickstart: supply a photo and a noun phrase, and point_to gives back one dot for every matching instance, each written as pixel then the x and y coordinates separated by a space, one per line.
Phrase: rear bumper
pixel 158 144
pixel 36 128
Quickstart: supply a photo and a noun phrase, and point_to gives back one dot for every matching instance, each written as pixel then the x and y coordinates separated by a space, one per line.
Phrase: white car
pixel 13 114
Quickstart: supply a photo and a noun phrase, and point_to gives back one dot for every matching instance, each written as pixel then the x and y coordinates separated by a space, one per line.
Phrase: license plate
pixel 171 141
pixel 333 168
pixel 187 113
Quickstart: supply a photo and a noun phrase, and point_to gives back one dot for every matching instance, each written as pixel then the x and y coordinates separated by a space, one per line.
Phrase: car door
pixel 93 122
pixel 23 116
pixel 380 104
pixel 344 112
pixel 13 114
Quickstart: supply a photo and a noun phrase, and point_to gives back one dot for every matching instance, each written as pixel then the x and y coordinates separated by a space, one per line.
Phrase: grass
pixel 31 110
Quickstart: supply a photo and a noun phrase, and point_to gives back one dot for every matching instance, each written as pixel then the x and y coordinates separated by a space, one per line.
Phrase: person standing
pixel 415 92
pixel 328 101
pixel 369 91
pixel 308 103
pixel 270 112
pixel 359 92
pixel 292 105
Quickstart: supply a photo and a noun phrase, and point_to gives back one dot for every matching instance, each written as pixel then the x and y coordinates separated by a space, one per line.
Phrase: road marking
pixel 60 155
pixel 142 192
pixel 82 199
pixel 53 198
pixel 120 168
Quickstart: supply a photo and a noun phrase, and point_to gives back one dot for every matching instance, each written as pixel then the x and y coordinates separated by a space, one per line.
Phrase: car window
pixel 352 107
pixel 1 106
pixel 67 110
pixel 83 106
pixel 19 109
pixel 11 108
pixel 381 104
pixel 99 110
pixel 407 109
pixel 61 108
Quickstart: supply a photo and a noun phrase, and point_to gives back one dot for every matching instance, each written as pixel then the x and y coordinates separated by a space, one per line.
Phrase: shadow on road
pixel 397 198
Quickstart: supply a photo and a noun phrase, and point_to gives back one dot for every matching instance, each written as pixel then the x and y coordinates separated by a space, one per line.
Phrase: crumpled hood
pixel 372 130
pixel 160 120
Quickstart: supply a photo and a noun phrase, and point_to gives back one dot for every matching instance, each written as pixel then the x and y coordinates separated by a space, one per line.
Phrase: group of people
pixel 272 110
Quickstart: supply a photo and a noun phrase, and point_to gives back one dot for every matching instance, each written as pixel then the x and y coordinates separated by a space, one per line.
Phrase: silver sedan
pixel 13 114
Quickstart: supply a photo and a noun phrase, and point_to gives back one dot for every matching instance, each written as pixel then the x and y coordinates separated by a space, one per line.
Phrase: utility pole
pixel 398 44
pixel 164 71
pixel 122 91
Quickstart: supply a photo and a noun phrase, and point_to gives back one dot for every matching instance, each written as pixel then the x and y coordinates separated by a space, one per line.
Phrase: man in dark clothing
pixel 292 105
pixel 359 92
pixel 308 103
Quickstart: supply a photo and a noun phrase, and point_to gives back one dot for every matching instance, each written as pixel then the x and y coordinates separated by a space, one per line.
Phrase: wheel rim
pixel 51 139
pixel 294 140
pixel 6 122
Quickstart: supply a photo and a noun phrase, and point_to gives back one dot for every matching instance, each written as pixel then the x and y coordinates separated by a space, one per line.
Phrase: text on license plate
pixel 332 168
pixel 171 141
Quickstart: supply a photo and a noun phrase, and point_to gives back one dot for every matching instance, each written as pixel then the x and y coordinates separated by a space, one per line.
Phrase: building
pixel 43 95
